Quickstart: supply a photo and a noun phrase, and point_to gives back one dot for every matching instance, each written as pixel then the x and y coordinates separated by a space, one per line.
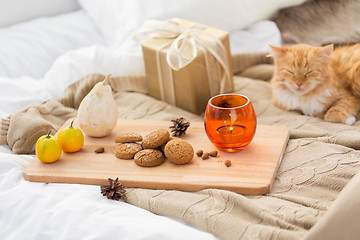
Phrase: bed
pixel 49 63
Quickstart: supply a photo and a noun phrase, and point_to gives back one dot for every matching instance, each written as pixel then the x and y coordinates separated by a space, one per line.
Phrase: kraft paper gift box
pixel 185 63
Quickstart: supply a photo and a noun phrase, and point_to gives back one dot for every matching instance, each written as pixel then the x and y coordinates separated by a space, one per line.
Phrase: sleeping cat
pixel 318 81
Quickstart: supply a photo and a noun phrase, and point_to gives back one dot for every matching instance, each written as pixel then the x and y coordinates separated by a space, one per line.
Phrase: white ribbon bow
pixel 183 50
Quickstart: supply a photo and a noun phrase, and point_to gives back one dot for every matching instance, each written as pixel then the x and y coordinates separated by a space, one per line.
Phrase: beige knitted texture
pixel 4 128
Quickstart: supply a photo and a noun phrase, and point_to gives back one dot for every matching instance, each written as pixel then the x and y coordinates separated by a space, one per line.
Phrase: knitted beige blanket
pixel 320 159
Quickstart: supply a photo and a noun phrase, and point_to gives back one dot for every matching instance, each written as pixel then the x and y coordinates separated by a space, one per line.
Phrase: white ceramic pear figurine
pixel 97 114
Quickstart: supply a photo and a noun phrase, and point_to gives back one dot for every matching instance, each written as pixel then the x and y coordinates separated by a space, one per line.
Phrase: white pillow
pixel 30 48
pixel 18 11
pixel 118 19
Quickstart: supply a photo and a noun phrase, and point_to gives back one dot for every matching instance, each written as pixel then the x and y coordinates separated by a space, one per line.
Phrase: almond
pixel 213 153
pixel 227 163
pixel 205 156
pixel 100 150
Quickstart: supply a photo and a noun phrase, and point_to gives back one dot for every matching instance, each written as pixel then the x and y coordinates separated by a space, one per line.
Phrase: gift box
pixel 186 63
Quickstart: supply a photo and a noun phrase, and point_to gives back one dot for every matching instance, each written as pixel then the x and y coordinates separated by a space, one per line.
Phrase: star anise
pixel 114 190
pixel 179 127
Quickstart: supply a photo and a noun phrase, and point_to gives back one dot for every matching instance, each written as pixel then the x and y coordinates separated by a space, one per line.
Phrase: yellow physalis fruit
pixel 71 138
pixel 48 148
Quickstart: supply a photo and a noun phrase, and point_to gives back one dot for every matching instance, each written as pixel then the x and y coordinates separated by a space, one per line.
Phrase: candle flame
pixel 231 128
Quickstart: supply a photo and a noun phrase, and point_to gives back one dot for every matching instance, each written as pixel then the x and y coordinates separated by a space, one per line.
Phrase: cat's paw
pixel 350 120
pixel 336 116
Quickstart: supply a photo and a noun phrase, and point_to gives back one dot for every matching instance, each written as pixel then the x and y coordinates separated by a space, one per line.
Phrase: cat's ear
pixel 325 52
pixel 277 52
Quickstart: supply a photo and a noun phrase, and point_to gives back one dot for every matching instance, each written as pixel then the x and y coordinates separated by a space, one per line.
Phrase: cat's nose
pixel 299 84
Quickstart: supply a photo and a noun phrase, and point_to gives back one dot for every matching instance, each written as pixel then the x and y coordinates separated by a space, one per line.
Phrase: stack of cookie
pixel 150 150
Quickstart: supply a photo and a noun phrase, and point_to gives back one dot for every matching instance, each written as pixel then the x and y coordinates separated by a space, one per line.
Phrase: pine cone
pixel 179 127
pixel 114 190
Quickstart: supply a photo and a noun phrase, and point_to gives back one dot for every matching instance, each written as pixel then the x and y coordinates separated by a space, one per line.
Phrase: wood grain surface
pixel 252 171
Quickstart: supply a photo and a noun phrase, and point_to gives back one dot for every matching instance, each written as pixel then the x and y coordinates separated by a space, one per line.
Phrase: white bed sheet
pixel 69 211
pixel 28 50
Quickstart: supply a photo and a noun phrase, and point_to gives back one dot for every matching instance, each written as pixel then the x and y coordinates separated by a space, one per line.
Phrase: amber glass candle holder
pixel 230 121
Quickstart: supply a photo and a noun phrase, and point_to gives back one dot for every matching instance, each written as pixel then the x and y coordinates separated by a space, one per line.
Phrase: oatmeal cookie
pixel 155 139
pixel 149 158
pixel 128 137
pixel 127 150
pixel 179 151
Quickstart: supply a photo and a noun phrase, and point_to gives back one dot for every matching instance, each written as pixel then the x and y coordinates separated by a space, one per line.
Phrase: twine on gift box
pixel 183 50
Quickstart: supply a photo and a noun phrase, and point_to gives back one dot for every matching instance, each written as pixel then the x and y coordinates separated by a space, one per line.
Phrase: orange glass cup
pixel 230 122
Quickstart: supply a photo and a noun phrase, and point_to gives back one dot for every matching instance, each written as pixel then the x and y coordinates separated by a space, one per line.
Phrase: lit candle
pixel 230 121
pixel 231 130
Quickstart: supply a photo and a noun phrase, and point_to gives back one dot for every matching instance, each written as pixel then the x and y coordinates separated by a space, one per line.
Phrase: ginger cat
pixel 318 81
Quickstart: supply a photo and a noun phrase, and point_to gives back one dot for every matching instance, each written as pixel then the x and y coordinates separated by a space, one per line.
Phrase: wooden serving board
pixel 252 171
